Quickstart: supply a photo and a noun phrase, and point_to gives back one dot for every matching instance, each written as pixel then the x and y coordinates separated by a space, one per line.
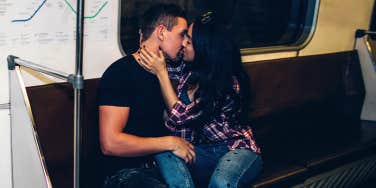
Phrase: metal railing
pixel 359 33
pixel 16 61
pixel 75 79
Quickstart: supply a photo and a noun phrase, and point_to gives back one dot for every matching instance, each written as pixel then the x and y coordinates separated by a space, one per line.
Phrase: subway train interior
pixel 312 69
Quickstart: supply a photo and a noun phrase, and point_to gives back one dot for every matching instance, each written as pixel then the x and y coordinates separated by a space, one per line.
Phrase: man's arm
pixel 112 121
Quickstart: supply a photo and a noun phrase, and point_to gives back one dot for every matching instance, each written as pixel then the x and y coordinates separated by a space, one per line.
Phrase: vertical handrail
pixel 77 92
pixel 77 82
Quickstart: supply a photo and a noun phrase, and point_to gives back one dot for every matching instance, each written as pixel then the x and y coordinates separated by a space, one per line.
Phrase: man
pixel 130 101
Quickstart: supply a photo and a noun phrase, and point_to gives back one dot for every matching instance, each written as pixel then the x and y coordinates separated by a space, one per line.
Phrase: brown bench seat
pixel 305 114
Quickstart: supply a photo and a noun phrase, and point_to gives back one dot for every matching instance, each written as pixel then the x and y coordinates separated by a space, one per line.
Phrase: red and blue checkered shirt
pixel 221 128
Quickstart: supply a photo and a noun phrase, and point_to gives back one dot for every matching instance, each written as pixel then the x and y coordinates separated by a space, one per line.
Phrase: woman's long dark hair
pixel 217 61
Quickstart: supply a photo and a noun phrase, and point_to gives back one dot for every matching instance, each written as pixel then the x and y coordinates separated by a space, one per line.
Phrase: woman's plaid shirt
pixel 220 129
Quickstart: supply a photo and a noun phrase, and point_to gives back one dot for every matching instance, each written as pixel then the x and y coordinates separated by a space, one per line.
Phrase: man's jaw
pixel 180 55
pixel 174 61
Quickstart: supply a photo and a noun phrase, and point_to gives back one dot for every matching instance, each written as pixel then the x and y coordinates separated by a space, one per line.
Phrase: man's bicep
pixel 112 120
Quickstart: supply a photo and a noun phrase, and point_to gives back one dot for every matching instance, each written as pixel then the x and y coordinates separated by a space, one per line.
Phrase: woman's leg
pixel 237 168
pixel 203 166
pixel 174 170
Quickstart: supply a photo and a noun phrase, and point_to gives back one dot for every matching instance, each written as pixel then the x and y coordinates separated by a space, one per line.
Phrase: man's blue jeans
pixel 135 177
pixel 215 166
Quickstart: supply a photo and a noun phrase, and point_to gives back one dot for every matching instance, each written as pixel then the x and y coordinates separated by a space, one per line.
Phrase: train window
pixel 254 24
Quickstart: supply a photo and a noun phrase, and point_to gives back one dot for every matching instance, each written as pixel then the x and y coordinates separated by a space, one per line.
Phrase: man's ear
pixel 161 32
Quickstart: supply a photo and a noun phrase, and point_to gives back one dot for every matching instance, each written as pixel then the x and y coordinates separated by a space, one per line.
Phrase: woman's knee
pixel 174 170
pixel 251 173
pixel 219 181
pixel 236 169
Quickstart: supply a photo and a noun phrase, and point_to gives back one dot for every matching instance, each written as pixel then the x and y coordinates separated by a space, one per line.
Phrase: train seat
pixel 305 113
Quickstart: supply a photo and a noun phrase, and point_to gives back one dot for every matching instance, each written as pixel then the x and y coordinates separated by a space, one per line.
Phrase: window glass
pixel 253 23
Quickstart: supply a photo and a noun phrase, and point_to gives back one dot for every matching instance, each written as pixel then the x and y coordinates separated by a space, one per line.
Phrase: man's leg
pixel 174 170
pixel 236 168
pixel 135 177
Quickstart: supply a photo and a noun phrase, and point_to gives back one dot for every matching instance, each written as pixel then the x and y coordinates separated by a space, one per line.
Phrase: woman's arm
pixel 168 91
pixel 157 65
pixel 179 113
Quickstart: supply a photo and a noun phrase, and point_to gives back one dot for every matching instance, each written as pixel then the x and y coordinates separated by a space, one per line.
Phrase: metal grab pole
pixel 77 92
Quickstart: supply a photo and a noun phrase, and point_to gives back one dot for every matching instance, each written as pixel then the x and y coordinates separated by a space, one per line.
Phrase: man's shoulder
pixel 120 66
pixel 122 63
pixel 117 70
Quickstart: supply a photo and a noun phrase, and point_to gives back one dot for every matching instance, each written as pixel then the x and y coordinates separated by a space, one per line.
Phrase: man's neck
pixel 150 45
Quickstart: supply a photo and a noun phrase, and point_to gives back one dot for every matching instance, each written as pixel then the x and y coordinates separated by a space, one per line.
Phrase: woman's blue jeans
pixel 174 170
pixel 215 166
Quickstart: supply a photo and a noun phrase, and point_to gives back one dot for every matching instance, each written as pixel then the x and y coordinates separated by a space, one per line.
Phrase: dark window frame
pixel 303 38
pixel 301 42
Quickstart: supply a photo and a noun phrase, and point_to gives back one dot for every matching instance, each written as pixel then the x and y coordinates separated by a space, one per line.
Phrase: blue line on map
pixel 35 12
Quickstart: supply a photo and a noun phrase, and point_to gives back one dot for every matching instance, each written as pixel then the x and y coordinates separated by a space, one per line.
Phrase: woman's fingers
pixel 161 54
pixel 151 61
pixel 145 56
pixel 143 64
pixel 154 64
pixel 149 54
pixel 147 51
pixel 157 57
pixel 143 59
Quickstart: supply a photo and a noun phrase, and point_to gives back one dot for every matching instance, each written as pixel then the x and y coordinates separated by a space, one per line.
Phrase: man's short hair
pixel 160 14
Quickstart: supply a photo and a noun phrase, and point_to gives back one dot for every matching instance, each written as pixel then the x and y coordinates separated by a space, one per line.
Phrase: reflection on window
pixel 253 23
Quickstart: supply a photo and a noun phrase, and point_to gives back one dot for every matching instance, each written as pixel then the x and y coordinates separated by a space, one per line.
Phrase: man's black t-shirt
pixel 126 84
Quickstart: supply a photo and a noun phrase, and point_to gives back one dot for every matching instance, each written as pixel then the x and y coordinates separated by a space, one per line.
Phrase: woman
pixel 209 111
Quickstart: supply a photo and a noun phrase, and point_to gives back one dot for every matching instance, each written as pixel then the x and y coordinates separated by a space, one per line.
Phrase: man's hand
pixel 183 149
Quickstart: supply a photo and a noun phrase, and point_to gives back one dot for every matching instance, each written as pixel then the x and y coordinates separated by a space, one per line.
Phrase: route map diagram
pixel 51 22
